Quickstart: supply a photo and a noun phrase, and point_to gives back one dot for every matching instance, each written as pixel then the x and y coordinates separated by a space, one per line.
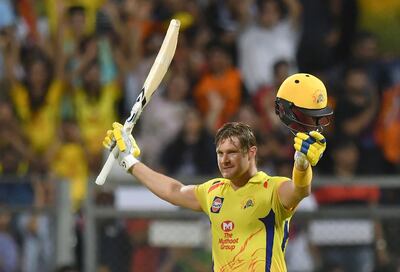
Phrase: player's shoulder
pixel 271 179
pixel 275 181
pixel 278 179
pixel 214 183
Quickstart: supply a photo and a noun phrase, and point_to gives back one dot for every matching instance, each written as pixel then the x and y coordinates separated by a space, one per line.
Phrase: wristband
pixel 128 161
pixel 302 178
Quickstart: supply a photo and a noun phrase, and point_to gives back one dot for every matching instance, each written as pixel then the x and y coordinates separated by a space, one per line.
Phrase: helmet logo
pixel 318 97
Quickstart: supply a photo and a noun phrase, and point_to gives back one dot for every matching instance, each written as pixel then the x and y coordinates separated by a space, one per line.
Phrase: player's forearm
pixel 163 186
pixel 293 191
pixel 302 181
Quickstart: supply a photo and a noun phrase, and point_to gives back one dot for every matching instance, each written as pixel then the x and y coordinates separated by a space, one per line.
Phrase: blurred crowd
pixel 69 69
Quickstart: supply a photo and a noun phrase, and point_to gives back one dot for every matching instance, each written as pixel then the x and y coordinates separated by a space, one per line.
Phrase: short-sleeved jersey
pixel 95 116
pixel 70 162
pixel 249 225
pixel 41 125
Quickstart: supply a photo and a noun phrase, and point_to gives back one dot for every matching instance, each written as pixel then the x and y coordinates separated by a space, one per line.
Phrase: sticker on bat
pixel 137 107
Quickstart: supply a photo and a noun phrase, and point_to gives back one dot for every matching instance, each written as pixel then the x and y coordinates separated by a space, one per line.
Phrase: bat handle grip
pixel 101 178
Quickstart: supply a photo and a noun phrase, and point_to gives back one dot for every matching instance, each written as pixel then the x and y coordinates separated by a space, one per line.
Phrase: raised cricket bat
pixel 153 80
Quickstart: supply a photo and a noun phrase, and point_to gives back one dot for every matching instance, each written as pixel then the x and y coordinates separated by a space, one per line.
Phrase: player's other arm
pixel 166 188
pixel 309 149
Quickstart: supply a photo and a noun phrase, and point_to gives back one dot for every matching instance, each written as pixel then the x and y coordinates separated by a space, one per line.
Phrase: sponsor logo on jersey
pixel 228 240
pixel 217 204
pixel 227 226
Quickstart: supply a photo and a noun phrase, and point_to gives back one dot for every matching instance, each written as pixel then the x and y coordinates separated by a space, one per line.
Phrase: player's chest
pixel 244 207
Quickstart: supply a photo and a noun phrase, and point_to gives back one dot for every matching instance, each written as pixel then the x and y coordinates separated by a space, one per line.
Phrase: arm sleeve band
pixel 302 178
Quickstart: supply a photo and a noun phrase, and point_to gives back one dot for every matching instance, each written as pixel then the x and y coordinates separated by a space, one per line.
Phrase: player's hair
pixel 242 131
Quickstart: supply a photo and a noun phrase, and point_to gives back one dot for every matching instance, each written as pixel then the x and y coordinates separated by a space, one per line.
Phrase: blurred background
pixel 69 68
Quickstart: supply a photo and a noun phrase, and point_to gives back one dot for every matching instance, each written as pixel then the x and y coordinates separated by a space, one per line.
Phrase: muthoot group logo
pixel 227 226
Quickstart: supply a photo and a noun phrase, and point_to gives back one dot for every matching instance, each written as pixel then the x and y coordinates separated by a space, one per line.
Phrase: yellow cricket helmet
pixel 302 103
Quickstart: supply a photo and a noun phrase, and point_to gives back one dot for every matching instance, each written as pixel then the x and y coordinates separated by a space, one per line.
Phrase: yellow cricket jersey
pixel 249 226
pixel 91 8
pixel 70 162
pixel 41 125
pixel 95 116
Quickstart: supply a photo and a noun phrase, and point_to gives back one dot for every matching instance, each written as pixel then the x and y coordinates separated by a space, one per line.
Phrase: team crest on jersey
pixel 248 203
pixel 216 204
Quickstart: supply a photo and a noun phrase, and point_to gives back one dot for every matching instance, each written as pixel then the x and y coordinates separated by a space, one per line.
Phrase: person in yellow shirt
pixel 37 105
pixel 70 161
pixel 36 96
pixel 87 9
pixel 249 210
pixel 95 105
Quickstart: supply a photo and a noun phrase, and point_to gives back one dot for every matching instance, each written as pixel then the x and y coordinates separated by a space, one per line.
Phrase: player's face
pixel 232 161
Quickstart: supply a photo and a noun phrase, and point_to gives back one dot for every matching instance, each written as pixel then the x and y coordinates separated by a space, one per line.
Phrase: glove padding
pixel 312 145
pixel 127 150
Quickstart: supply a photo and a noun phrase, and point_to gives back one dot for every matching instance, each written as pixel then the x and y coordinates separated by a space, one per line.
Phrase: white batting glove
pixel 127 150
pixel 300 161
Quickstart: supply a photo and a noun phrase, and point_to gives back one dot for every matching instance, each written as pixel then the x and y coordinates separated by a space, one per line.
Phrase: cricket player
pixel 249 210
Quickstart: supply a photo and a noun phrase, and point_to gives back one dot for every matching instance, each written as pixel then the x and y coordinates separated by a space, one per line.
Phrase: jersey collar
pixel 258 178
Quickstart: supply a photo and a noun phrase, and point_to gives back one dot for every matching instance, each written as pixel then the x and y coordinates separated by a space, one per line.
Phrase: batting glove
pixel 312 145
pixel 127 150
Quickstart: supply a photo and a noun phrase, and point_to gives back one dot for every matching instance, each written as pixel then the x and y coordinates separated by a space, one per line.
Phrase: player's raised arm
pixel 309 149
pixel 164 187
pixel 302 106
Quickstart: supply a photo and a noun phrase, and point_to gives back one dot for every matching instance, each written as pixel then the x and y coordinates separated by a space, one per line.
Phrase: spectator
pixel 264 98
pixel 355 115
pixel 95 105
pixel 16 186
pixel 13 135
pixel 79 16
pixel 328 29
pixel 115 246
pixel 228 19
pixel 7 22
pixel 144 258
pixel 387 131
pixel 348 256
pixel 191 152
pixel 272 38
pixel 380 19
pixel 37 96
pixel 9 255
pixel 218 93
pixel 365 53
pixel 34 228
pixel 70 162
pixel 273 147
pixel 37 247
pixel 168 111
